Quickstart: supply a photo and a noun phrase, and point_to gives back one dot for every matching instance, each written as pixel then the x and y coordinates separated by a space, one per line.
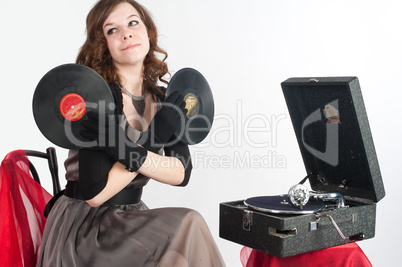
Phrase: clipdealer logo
pixel 249 141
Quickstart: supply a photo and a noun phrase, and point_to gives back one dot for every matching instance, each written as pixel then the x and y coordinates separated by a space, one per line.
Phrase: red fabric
pixel 21 212
pixel 349 255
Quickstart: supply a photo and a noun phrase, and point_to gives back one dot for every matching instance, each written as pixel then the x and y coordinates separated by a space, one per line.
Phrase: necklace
pixel 138 101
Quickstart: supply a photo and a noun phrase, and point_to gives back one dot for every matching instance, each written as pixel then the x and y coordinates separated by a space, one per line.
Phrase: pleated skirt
pixel 77 234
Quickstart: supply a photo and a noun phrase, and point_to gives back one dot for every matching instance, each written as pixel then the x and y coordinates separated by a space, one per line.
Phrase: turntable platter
pixel 281 204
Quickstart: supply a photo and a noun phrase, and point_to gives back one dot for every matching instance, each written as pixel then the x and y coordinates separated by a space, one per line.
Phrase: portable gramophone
pixel 334 137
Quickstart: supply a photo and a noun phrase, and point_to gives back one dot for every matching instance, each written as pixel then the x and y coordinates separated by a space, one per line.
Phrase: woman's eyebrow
pixel 133 15
pixel 111 23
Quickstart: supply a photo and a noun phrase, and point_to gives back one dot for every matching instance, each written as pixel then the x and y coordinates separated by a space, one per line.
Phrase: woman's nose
pixel 127 35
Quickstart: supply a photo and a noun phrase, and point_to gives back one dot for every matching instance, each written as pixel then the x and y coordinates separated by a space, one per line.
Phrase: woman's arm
pixel 164 169
pixel 168 170
pixel 118 178
pixel 174 169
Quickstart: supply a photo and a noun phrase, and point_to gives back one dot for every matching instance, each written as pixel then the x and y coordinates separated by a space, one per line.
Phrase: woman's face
pixel 126 36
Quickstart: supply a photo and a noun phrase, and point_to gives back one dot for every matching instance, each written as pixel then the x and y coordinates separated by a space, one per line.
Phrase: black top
pixel 94 165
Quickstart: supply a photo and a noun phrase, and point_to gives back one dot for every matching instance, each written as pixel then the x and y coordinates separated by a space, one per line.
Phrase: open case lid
pixel 332 129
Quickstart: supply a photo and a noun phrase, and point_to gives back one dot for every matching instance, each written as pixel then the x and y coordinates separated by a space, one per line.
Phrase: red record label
pixel 72 107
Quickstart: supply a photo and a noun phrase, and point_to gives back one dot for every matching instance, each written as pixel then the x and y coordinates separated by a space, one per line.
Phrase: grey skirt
pixel 129 235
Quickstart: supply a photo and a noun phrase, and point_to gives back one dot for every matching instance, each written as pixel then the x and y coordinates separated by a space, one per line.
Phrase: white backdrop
pixel 245 50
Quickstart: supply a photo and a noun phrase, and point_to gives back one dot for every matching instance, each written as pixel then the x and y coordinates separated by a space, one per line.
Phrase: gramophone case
pixel 334 137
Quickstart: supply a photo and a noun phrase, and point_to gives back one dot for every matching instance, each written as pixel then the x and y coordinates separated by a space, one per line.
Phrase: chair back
pixel 22 204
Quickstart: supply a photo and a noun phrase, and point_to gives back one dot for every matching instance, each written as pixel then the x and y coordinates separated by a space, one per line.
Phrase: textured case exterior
pixel 287 235
pixel 339 155
pixel 334 137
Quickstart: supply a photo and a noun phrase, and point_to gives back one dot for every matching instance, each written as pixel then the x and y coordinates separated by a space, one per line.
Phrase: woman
pixel 100 220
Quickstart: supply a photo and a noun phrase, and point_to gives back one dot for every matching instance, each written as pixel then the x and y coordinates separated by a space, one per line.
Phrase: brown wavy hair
pixel 94 52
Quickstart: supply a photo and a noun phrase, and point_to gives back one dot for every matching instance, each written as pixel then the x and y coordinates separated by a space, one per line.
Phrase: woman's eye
pixel 133 23
pixel 111 31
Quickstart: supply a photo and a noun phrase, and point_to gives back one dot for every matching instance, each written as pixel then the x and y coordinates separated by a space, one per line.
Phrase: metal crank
pixel 356 237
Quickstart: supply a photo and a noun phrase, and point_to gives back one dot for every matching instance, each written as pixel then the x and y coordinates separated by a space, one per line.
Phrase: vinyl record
pixel 197 94
pixel 281 205
pixel 62 99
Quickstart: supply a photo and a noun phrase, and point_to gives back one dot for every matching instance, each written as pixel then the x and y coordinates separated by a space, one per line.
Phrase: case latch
pixel 247 220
